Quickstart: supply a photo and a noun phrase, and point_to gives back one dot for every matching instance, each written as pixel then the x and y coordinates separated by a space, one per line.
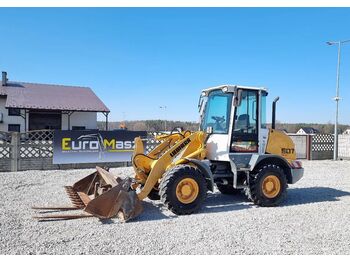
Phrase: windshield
pixel 216 112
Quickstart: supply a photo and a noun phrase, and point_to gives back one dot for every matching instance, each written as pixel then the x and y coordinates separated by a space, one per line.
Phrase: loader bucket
pixel 106 196
pixel 102 195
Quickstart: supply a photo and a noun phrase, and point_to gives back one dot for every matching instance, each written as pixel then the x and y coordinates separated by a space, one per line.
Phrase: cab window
pixel 246 117
pixel 217 112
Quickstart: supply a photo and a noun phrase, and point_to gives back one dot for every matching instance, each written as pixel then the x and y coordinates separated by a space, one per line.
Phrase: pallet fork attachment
pixel 100 195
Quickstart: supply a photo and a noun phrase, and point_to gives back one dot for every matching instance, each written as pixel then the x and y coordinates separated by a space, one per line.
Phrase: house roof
pixel 2 91
pixel 51 97
pixel 310 130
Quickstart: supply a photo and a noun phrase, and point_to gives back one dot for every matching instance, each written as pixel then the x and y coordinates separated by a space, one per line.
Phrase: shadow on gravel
pixel 107 221
pixel 152 211
pixel 223 203
pixel 218 202
pixel 307 195
pixel 214 203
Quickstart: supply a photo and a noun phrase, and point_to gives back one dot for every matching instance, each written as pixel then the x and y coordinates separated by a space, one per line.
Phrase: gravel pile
pixel 313 220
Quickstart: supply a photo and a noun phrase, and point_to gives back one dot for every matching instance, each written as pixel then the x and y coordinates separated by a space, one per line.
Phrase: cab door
pixel 245 135
pixel 217 116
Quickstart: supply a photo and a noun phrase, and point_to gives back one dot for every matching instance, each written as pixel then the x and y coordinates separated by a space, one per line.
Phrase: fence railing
pixel 34 149
pixel 6 152
pixel 5 145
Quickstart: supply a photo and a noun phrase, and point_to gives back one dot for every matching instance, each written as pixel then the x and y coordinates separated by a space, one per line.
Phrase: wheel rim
pixel 271 186
pixel 187 190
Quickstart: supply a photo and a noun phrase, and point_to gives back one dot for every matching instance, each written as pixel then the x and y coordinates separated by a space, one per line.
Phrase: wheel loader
pixel 234 150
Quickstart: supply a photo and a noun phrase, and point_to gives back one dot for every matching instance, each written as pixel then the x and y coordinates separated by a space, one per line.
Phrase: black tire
pixel 228 189
pixel 167 189
pixel 154 194
pixel 255 192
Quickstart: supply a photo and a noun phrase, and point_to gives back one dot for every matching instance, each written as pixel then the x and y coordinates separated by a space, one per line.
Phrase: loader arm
pixel 143 163
pixel 182 149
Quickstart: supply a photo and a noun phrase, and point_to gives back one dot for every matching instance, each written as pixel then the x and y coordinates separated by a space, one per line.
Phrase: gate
pixel 302 147
pixel 344 146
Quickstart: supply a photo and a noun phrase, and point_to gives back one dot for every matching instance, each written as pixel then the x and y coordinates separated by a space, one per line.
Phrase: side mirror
pixel 209 130
pixel 238 97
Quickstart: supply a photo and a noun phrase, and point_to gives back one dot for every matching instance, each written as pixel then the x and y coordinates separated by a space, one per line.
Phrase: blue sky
pixel 139 59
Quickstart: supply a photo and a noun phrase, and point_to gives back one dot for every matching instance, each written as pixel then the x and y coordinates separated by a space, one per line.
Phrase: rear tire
pixel 183 189
pixel 268 187
pixel 228 189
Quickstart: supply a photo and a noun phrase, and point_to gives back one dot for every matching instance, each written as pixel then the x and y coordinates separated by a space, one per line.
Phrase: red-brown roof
pixel 51 97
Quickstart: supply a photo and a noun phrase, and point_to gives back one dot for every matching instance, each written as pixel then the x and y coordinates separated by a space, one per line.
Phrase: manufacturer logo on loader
pixel 180 147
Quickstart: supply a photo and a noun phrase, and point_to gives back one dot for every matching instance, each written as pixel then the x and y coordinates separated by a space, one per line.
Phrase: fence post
pixel 15 142
pixel 308 147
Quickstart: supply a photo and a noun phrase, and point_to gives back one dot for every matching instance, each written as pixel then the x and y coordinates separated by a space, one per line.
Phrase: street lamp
pixel 164 108
pixel 337 98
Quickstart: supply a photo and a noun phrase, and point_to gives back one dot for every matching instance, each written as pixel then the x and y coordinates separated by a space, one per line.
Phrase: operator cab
pixel 235 118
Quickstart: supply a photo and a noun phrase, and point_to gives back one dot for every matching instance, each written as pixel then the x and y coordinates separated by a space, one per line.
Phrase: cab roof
pixel 231 88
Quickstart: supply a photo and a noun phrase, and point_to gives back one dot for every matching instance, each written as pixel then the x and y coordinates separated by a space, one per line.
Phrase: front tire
pixel 267 187
pixel 183 189
pixel 154 194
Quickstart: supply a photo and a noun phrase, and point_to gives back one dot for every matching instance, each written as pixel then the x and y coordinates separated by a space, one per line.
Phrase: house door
pixel 39 120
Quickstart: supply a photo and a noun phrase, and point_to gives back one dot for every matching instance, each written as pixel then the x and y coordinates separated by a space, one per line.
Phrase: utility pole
pixel 337 98
pixel 164 108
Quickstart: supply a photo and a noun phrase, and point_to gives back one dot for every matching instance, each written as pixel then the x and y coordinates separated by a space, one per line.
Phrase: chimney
pixel 4 78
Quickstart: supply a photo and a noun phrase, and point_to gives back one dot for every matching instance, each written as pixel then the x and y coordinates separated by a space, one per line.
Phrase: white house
pixel 346 132
pixel 307 130
pixel 29 106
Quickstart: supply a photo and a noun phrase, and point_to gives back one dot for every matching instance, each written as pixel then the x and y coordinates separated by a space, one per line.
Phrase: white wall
pixel 10 119
pixel 344 146
pixel 87 119
pixel 346 132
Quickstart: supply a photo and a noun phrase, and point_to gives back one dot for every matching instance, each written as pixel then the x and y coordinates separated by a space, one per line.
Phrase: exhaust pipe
pixel 274 112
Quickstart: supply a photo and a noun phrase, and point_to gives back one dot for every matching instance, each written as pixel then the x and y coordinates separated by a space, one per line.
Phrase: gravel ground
pixel 313 220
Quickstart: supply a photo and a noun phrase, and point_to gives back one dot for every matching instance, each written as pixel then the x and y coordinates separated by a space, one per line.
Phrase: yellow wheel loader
pixel 233 150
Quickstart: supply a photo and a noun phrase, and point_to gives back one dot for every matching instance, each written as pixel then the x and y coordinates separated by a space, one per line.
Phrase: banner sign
pixel 81 146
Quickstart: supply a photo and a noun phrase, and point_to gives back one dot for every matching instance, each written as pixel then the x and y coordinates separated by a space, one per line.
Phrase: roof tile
pixel 51 97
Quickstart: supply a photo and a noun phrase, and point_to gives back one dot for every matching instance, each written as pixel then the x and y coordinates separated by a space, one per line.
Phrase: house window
pixel 14 112
pixel 14 128
pixel 78 127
